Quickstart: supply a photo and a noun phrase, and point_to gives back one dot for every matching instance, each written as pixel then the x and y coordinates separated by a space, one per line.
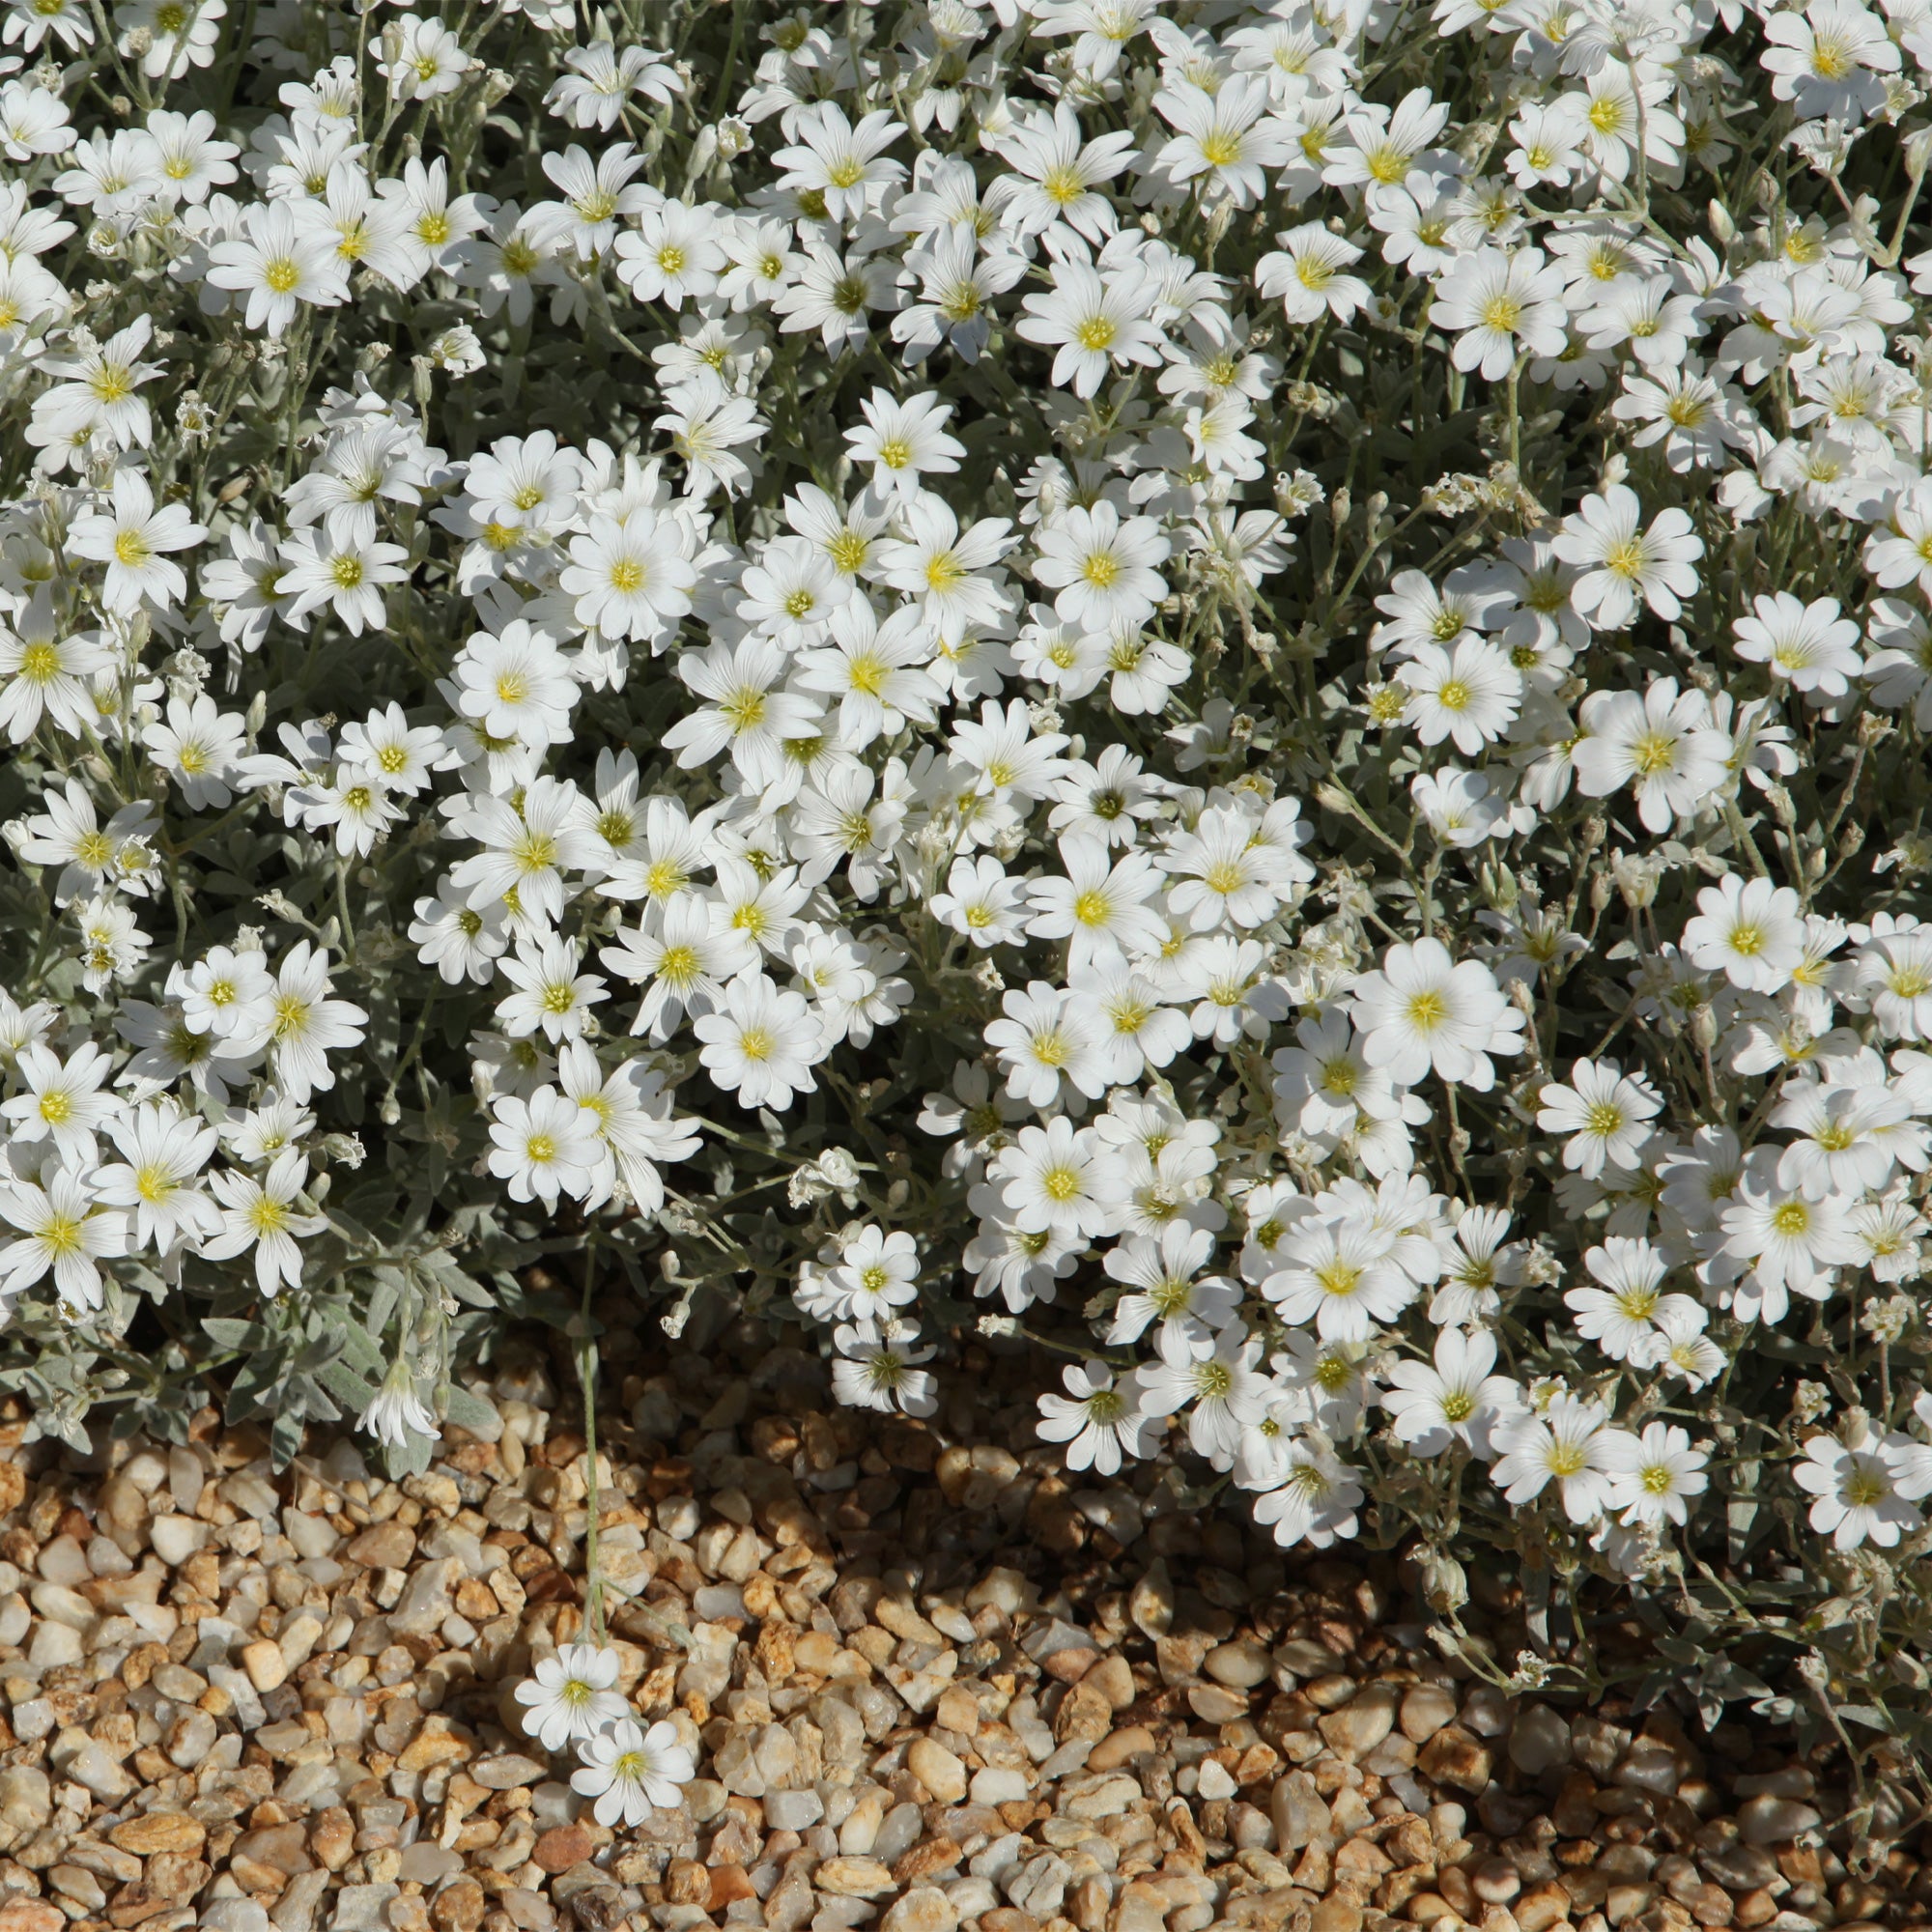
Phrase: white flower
pixel 1341 1275
pixel 573 1696
pixel 288 257
pixel 629 1771
pixel 1627 1315
pixel 1458 1399
pixel 842 164
pixel 904 439
pixel 981 902
pixel 1623 564
pixel 1308 274
pixel 1503 303
pixel 1826 59
pixel 1653 1475
pixel 1660 742
pixel 629 577
pixel 1210 1377
pixel 875 669
pixel 1468 694
pixel 1808 644
pixel 675 254
pixel 62 1101
pixel 1749 931
pixel 874 1273
pixel 305 1025
pixel 1043 1041
pixel 1459 807
pixel 1315 1501
pixel 165 1153
pixel 1100 906
pixel 1422 1010
pixel 1091 323
pixel 63 1230
pixel 1566 1444
pixel 263 1215
pixel 1163 1277
pixel 132 539
pixel 1052 1178
pixel 1606 1112
pixel 1791 1244
pixel 396 1412
pixel 631 1116
pixel 47 675
pixel 1226 140
pixel 951 570
pixel 879 1369
pixel 744 711
pixel 761 1044
pixel 1100 1425
pixel 199 747
pixel 1857 1487
pixel 343 573
pixel 1227 875
pixel 544 1147
pixel 552 994
pixel 1103 568
pixel 526 851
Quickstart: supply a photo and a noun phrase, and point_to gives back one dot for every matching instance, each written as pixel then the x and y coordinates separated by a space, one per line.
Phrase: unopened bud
pixel 1445 1584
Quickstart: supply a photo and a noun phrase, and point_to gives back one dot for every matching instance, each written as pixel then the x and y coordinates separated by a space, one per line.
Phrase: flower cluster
pixel 572 1703
pixel 1238 688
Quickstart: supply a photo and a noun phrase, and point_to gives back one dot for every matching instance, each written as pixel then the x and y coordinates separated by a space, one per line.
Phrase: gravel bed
pixel 931 1682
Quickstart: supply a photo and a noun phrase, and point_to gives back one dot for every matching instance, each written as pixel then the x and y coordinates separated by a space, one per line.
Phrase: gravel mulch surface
pixel 933 1682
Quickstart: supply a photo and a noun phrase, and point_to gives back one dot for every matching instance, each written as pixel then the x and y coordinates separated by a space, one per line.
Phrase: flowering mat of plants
pixel 919 1682
pixel 1219 707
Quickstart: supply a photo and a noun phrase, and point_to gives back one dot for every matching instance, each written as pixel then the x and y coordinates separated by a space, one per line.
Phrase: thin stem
pixel 586 1373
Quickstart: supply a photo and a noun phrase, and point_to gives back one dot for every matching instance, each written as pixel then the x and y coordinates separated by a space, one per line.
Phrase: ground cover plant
pixel 1236 694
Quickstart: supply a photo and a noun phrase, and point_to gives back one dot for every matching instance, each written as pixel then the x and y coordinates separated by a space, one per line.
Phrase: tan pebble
pixel 1456 1757
pixel 814 1651
pixel 936 1854
pixel 158 1831
pixel 31 1914
pixel 687 1883
pixel 1089 1905
pixel 1542 1907
pixel 1339 1914
pixel 253 1876
pixel 331 1837
pixel 958 1710
pixel 1118 1746
pixel 938 1769
pixel 561 1847
pixel 727 1885
pixel 1363 1858
pixel 1360 1725
pixel 458 1907
pixel 1113 1678
pixel 1240 1665
pixel 923 1908
pixel 853 1877
pixel 1216 1704
pixel 1424 1710
pixel 384 1545
pixel 262 1660
pixel 434 1747
pixel 1006 1919
pixel 1496 1882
